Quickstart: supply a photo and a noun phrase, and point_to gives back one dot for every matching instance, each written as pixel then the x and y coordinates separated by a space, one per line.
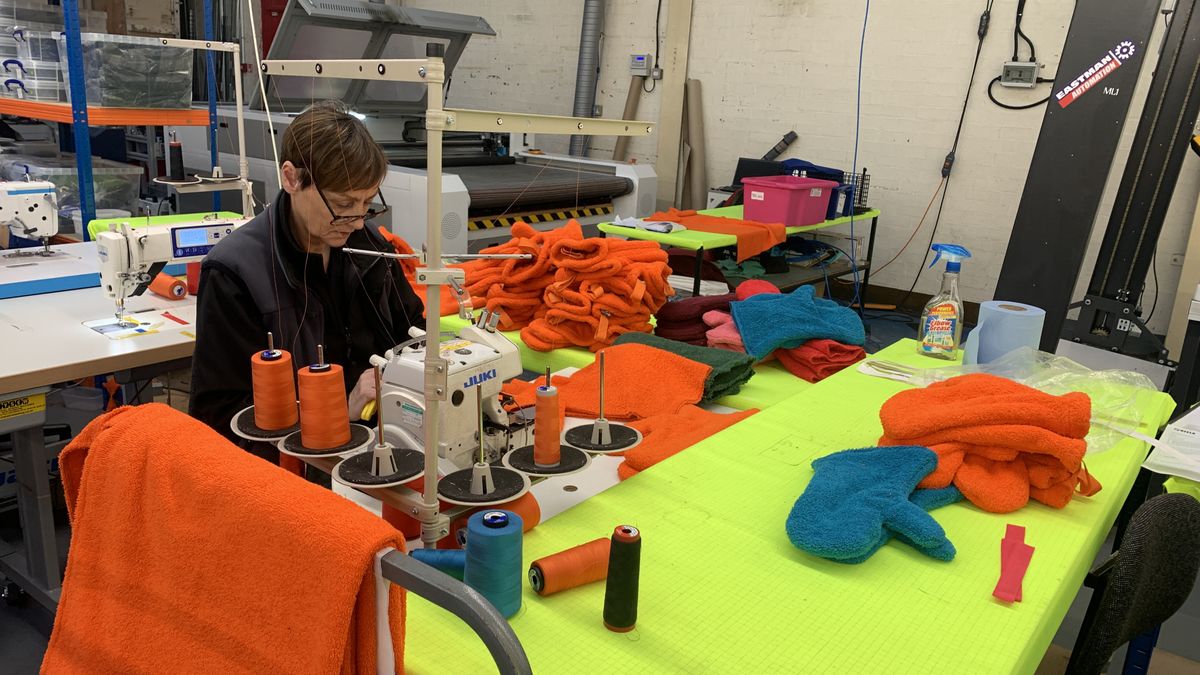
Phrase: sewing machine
pixel 30 210
pixel 131 257
pixel 479 357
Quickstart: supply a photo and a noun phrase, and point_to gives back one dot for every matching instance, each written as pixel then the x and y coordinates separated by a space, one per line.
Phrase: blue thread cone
pixel 493 565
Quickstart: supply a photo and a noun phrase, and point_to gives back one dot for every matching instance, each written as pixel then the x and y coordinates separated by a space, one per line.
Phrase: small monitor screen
pixel 195 236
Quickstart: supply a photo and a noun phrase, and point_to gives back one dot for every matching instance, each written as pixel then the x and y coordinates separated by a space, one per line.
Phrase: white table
pixel 44 342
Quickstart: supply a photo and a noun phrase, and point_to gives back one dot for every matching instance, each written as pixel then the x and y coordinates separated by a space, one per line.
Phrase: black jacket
pixel 260 280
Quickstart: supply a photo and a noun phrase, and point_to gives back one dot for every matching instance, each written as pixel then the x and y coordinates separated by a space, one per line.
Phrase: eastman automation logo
pixel 1090 77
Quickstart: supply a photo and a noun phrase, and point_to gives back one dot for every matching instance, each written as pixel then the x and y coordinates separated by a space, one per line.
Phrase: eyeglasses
pixel 346 220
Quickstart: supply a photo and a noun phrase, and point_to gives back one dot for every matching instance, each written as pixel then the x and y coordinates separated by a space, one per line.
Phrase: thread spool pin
pixel 601 434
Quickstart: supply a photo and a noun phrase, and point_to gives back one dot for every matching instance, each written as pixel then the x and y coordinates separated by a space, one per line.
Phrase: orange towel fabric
pixel 189 555
pixel 752 237
pixel 1000 442
pixel 665 435
pixel 640 382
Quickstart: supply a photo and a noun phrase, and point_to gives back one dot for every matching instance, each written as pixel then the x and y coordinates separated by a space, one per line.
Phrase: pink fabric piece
pixel 723 333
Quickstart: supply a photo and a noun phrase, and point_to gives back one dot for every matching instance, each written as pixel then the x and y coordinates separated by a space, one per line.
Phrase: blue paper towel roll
pixel 1003 326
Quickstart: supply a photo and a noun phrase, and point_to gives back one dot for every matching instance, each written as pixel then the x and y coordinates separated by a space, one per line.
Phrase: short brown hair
pixel 333 149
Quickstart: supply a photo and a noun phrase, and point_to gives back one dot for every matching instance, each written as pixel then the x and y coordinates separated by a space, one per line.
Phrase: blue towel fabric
pixel 858 499
pixel 771 321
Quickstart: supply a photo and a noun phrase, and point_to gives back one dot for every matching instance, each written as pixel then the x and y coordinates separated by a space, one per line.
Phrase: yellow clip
pixel 368 411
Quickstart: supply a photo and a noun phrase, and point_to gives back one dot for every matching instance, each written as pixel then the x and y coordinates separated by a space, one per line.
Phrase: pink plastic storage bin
pixel 790 200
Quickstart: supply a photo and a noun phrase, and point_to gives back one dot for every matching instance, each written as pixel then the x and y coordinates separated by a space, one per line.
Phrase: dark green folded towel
pixel 730 370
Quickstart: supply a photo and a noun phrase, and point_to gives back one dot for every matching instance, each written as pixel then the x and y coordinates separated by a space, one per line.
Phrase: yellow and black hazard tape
pixel 545 217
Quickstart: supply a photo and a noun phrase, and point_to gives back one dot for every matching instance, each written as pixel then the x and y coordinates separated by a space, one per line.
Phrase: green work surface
pixel 694 240
pixel 771 383
pixel 723 590
pixel 1187 487
pixel 101 225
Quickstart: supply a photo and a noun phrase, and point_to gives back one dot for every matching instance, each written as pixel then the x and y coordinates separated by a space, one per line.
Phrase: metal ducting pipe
pixel 588 70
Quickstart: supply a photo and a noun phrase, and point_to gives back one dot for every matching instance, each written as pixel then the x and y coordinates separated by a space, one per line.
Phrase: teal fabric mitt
pixel 858 499
pixel 771 321
pixel 730 370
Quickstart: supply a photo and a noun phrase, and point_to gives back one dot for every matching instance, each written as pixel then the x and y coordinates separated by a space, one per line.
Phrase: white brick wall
pixel 768 66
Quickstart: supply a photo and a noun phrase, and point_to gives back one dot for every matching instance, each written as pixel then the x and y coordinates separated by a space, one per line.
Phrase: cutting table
pixel 695 240
pixel 723 590
pixel 771 383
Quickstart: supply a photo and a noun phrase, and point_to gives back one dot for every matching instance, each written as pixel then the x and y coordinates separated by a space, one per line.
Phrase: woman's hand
pixel 362 394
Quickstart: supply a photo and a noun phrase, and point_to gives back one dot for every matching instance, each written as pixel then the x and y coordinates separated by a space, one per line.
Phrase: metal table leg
pixel 36 506
pixel 696 280
pixel 34 567
pixel 866 280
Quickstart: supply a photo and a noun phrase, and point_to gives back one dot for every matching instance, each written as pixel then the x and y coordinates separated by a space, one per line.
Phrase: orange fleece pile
pixel 602 288
pixel 752 237
pixel 1000 442
pixel 639 382
pixel 189 554
pixel 665 435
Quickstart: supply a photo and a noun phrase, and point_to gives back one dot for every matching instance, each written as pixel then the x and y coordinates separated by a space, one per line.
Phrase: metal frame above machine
pixel 295 40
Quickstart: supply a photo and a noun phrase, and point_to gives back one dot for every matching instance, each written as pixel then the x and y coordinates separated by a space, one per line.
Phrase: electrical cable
pixel 916 229
pixel 1154 269
pixel 657 19
pixel 948 164
pixel 1008 106
pixel 862 43
pixel 1017 32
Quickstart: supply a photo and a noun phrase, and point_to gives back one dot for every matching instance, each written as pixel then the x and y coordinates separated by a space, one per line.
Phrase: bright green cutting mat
pixel 723 590
pixel 99 225
pixel 771 383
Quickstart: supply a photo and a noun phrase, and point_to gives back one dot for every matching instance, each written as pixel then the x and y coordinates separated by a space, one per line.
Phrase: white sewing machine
pixel 30 210
pixel 479 357
pixel 131 257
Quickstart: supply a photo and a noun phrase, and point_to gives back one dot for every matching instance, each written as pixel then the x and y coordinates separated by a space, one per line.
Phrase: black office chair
pixel 1142 583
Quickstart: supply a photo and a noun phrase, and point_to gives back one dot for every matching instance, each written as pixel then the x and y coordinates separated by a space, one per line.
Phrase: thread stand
pixel 245 422
pixel 243 425
pixel 573 460
pixel 382 466
pixel 602 436
pixel 482 484
pixel 359 436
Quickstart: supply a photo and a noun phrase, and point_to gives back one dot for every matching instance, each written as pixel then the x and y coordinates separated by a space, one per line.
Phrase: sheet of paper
pixel 146 322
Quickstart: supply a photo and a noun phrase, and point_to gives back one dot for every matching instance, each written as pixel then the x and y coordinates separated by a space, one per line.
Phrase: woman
pixel 284 272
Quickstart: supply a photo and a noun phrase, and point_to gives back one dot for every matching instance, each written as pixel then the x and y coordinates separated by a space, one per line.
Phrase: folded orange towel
pixel 665 435
pixel 752 237
pixel 190 555
pixel 1000 442
pixel 640 382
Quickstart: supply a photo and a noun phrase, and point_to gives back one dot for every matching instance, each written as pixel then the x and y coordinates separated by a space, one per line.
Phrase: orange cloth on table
pixel 639 381
pixel 752 237
pixel 189 554
pixel 665 435
pixel 1000 442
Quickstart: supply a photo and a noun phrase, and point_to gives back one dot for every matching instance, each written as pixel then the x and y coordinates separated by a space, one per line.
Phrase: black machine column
pixel 1108 311
pixel 1100 64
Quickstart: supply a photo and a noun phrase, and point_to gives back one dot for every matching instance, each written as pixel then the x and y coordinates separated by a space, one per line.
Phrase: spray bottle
pixel 941 320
